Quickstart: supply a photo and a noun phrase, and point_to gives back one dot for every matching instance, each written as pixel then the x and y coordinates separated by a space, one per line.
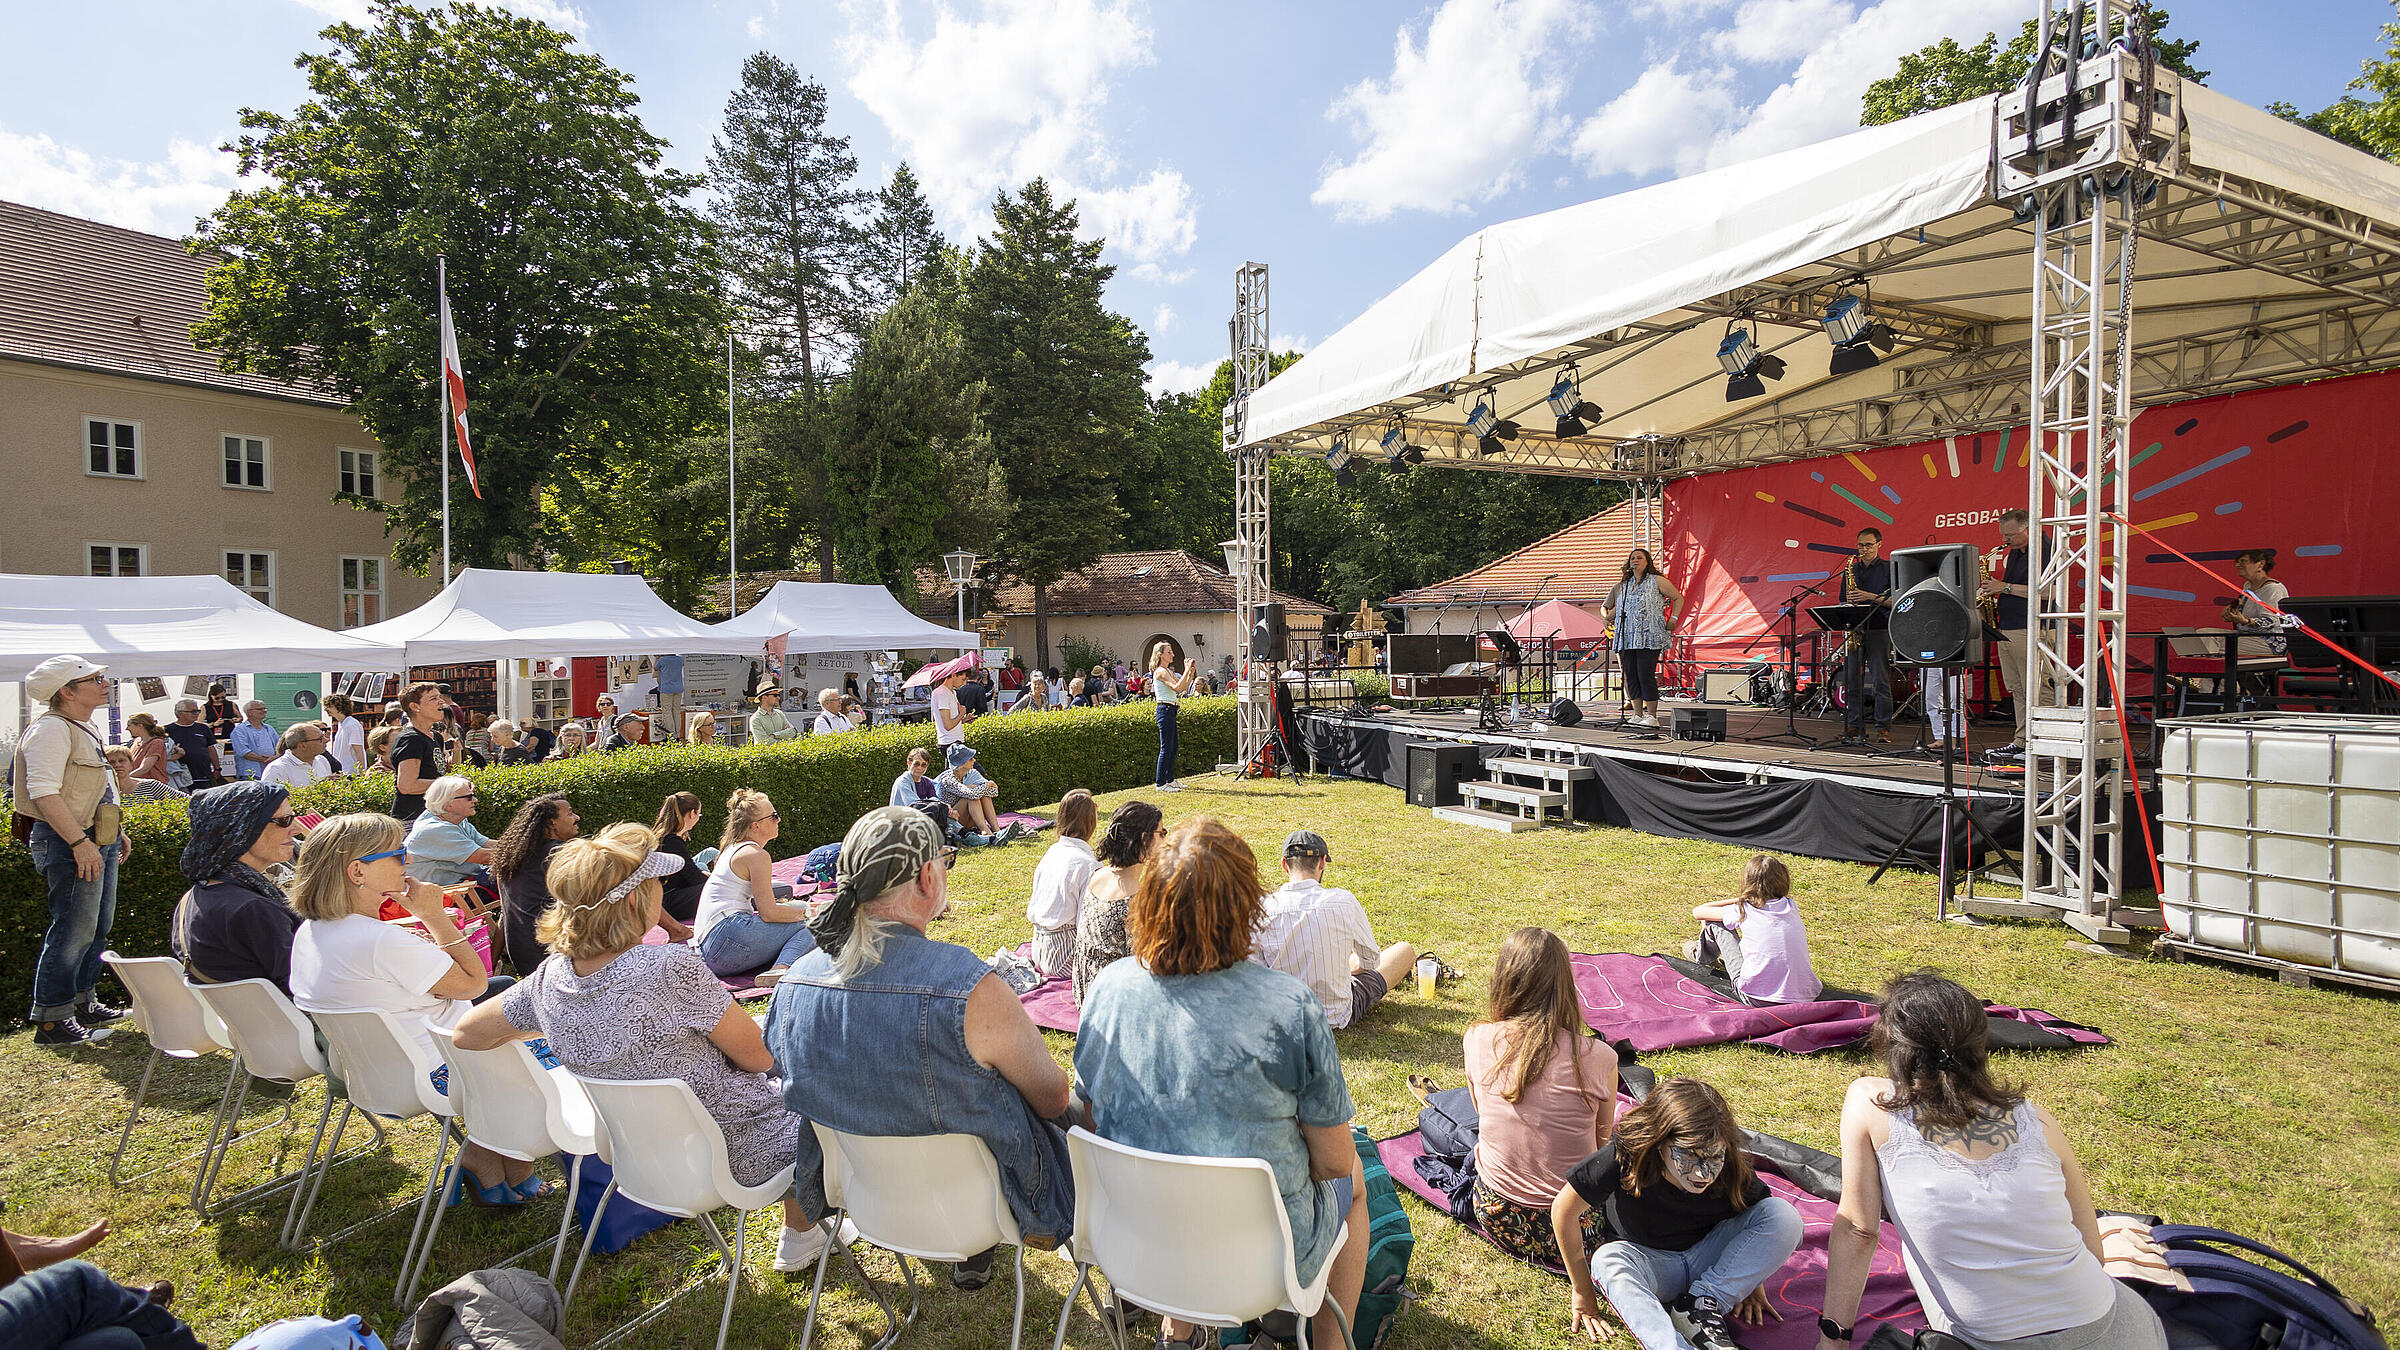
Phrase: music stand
pixel 1791 678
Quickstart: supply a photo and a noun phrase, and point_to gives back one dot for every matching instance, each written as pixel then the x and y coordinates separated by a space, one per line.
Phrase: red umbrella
pixel 942 670
pixel 1560 623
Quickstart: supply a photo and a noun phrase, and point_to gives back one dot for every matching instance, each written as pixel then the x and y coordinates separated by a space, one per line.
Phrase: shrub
pixel 820 784
pixel 1080 654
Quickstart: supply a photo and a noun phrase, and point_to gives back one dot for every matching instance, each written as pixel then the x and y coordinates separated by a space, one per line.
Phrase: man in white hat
pixel 77 843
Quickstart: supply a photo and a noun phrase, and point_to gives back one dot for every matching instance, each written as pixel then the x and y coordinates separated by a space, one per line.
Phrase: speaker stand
pixel 1942 809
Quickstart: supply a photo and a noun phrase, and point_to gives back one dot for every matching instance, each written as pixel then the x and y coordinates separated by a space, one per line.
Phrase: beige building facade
pixel 125 451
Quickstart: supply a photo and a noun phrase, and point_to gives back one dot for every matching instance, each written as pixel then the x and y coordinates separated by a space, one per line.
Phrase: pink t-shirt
pixel 1526 1148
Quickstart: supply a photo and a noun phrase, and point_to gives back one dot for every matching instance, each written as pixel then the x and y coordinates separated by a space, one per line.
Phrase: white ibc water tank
pixel 2280 838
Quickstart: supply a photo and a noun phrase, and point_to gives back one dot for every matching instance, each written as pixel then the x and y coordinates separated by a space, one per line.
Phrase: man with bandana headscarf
pixel 945 1041
pixel 234 924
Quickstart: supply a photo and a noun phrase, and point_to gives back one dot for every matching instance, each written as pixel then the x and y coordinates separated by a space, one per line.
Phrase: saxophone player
pixel 1866 658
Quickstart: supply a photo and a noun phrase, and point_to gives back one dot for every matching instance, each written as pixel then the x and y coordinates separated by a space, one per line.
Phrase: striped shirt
pixel 1310 932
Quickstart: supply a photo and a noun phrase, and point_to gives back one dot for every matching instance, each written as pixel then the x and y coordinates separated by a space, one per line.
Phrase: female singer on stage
pixel 1642 610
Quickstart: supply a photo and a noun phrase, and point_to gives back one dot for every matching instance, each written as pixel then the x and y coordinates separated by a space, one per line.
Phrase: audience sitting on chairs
pixel 1545 1094
pixel 1133 832
pixel 1036 697
pixel 346 959
pixel 379 749
pixel 571 737
pixel 1759 938
pixel 946 1041
pixel 1320 936
pixel 970 797
pixel 507 749
pixel 121 762
pixel 700 728
pixel 1996 1223
pixel 1191 1049
pixel 610 1007
pixel 444 847
pixel 1059 883
pixel 1691 1224
pixel 1079 693
pixel 834 715
pixel 742 925
pixel 521 864
pixel 679 901
pixel 236 923
pixel 303 759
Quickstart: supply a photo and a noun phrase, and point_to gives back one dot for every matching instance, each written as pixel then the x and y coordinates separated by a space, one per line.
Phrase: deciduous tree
pixel 1946 72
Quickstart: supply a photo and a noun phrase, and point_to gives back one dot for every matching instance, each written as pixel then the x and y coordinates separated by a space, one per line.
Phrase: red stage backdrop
pixel 2311 471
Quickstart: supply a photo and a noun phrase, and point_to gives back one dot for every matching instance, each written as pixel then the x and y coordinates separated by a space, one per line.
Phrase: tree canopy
pixel 2372 126
pixel 581 287
pixel 1946 72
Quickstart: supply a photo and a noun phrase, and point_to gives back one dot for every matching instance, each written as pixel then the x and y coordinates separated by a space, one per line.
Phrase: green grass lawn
pixel 2227 1099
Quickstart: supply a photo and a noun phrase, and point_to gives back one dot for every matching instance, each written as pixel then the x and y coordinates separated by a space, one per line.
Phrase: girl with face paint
pixel 1697 1233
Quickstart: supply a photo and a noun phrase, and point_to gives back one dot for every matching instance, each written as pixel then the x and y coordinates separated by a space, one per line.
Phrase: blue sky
pixel 1344 145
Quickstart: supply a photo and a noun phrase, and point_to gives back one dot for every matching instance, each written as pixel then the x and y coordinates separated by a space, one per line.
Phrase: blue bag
pixel 2237 1304
pixel 822 860
pixel 625 1219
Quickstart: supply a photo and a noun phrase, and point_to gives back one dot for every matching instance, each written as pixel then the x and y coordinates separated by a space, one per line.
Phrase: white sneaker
pixel 1170 787
pixel 798 1248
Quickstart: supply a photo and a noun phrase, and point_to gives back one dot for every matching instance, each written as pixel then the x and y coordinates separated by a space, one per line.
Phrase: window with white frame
pixel 246 462
pixel 119 560
pixel 362 590
pixel 112 449
pixel 358 473
pixel 253 573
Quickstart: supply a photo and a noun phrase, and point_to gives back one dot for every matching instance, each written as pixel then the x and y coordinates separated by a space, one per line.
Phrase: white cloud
pixel 1780 30
pixel 989 94
pixel 1289 342
pixel 159 197
pixel 1181 377
pixel 1159 276
pixel 1162 318
pixel 1667 119
pixel 756 28
pixel 556 13
pixel 1821 97
pixel 1460 112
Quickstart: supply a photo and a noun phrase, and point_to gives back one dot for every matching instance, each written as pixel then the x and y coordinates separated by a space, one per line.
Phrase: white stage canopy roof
pixel 2266 256
pixel 167 626
pixel 833 617
pixel 489 615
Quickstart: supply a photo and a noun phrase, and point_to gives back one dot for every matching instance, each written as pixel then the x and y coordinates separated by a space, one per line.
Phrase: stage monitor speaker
pixel 1269 640
pixel 1699 724
pixel 1564 713
pixel 1730 684
pixel 1427 653
pixel 1436 768
pixel 1934 619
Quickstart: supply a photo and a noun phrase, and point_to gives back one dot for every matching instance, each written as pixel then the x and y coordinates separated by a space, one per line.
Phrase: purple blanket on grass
pixel 1659 1003
pixel 1797 1290
pixel 1051 1003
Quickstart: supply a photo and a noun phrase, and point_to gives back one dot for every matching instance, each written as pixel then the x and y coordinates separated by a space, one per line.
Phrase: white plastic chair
pixel 177 1026
pixel 508 1103
pixel 273 1043
pixel 670 1155
pixel 936 1197
pixel 387 1073
pixel 1198 1239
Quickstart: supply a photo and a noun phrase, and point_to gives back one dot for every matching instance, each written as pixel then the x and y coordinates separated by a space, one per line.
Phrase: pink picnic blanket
pixel 740 986
pixel 1052 1002
pixel 1659 1003
pixel 1797 1290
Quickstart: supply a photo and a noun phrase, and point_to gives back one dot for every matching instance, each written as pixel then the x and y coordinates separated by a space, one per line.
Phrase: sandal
pixel 467 1188
pixel 534 1187
pixel 1423 1087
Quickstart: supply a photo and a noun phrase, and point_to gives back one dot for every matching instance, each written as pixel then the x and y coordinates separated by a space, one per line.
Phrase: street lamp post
pixel 960 566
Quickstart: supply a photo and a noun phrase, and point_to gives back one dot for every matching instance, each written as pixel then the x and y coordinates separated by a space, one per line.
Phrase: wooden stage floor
pixel 1744 755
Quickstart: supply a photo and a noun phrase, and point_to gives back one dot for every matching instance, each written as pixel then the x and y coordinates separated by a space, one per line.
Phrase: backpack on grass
pixel 2238 1304
pixel 1383 1291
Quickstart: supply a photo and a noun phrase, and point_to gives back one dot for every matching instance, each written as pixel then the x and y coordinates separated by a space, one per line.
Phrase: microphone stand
pixel 1791 681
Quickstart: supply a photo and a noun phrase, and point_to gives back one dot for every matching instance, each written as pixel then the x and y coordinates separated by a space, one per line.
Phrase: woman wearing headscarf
pixel 235 923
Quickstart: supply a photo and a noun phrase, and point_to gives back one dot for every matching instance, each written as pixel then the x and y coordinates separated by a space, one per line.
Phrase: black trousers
pixel 1641 672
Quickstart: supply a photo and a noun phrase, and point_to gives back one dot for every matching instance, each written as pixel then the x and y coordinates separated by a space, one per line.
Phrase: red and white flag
pixel 454 387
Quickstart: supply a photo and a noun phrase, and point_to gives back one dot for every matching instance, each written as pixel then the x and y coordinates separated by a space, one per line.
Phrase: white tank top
pixel 1991 1243
pixel 726 893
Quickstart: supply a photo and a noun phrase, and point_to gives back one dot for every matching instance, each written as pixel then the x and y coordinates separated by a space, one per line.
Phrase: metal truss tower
pixel 2077 154
pixel 1247 554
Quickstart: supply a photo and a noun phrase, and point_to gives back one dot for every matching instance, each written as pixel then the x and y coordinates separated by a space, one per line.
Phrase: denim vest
pixel 886 1054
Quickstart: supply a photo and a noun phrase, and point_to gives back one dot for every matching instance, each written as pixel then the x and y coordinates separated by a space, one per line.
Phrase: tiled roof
pixel 1588 557
pixel 1168 581
pixel 96 297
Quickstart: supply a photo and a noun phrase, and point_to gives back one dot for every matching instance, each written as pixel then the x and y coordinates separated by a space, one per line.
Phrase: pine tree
pixel 901 239
pixel 1064 390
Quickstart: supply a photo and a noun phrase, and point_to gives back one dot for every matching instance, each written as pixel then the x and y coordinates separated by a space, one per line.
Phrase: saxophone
pixel 1849 588
pixel 1995 565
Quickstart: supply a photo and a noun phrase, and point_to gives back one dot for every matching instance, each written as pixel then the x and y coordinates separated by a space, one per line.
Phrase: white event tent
pixel 833 617
pixel 166 626
pixel 489 615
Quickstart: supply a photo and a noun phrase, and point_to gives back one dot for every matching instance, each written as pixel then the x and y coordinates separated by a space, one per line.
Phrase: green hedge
pixel 820 785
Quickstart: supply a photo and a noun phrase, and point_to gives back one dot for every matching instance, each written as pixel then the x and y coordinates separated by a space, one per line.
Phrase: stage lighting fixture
pixel 1397 452
pixel 1490 430
pixel 1567 403
pixel 1856 335
pixel 1338 460
pixel 1745 365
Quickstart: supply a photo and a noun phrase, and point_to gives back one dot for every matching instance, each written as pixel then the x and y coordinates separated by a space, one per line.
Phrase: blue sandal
pixel 533 1187
pixel 467 1188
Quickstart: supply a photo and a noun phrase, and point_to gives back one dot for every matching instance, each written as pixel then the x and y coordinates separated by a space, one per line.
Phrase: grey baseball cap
pixel 1305 844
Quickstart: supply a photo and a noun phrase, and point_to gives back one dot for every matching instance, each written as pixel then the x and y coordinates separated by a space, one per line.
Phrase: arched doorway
pixel 1150 644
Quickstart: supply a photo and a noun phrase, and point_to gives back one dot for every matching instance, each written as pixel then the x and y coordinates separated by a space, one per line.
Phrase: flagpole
pixel 441 274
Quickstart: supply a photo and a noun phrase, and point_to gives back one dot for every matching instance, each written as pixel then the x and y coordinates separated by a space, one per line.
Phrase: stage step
pixel 1555 773
pixel 1490 820
pixel 1535 804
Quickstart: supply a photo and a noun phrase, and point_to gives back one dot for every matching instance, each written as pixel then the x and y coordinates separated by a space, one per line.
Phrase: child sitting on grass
pixel 1759 937
pixel 970 797
pixel 1697 1234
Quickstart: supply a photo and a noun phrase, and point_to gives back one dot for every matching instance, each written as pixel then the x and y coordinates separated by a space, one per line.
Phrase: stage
pixel 1746 791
